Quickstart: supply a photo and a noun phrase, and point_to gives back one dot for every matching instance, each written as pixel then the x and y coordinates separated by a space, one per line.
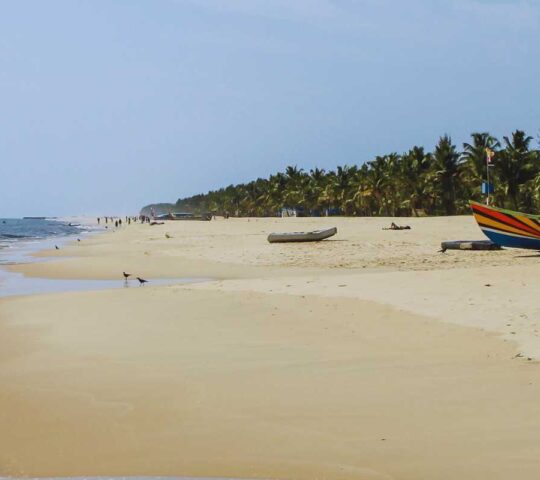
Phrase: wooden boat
pixel 183 216
pixel 507 228
pixel 314 236
pixel 469 245
pixel 190 216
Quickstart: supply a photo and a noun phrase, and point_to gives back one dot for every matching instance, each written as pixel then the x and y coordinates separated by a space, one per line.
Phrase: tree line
pixel 413 183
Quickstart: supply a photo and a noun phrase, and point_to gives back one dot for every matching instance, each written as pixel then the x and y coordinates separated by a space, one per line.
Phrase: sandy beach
pixel 367 356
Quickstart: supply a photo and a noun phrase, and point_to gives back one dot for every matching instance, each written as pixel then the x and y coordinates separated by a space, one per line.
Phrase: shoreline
pixel 299 367
pixel 30 251
pixel 422 281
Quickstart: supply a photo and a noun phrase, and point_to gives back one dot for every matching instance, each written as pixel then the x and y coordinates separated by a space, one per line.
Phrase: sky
pixel 108 105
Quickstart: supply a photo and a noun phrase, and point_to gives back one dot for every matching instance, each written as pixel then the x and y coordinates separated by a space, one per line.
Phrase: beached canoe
pixel 508 228
pixel 469 245
pixel 314 236
pixel 183 216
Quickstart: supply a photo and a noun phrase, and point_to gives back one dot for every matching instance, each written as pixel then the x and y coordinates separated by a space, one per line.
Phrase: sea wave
pixel 14 235
pixel 21 235
pixel 21 229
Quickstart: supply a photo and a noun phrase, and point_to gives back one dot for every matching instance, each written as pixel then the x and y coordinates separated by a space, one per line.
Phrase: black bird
pixel 56 246
pixel 126 275
pixel 142 281
pixel 78 239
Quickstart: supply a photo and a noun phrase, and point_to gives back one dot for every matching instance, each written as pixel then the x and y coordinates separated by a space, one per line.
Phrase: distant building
pixel 293 212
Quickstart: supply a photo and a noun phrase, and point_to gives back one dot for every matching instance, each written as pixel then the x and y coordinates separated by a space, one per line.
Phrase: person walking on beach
pixel 98 220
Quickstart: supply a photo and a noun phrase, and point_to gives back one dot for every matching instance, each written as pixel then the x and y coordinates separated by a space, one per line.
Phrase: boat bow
pixel 508 228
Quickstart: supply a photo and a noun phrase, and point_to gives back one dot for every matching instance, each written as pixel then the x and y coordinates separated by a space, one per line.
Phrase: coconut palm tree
pixel 415 166
pixel 294 194
pixel 360 192
pixel 474 158
pixel 447 170
pixel 340 184
pixel 393 171
pixel 516 164
pixel 315 190
pixel 378 182
pixel 438 182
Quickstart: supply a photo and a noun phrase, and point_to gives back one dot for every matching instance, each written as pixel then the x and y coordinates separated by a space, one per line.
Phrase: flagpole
pixel 487 174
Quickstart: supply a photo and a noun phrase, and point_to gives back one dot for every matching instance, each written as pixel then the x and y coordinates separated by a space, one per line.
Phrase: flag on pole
pixel 489 155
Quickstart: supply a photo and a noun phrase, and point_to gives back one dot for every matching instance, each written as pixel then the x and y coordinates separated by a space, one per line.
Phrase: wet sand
pixel 294 363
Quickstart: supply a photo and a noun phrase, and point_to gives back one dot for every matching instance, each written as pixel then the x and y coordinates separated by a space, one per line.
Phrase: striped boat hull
pixel 507 228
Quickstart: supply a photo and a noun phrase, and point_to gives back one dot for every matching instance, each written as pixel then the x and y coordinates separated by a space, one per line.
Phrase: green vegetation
pixel 413 183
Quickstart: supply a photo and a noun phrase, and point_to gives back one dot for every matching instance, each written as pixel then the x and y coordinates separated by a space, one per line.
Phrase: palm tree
pixel 438 182
pixel 378 182
pixel 294 195
pixel 340 184
pixel 272 194
pixel 316 185
pixel 360 191
pixel 447 170
pixel 475 157
pixel 393 171
pixel 516 164
pixel 415 165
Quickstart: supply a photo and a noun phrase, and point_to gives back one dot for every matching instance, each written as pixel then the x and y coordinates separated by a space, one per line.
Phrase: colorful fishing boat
pixel 507 228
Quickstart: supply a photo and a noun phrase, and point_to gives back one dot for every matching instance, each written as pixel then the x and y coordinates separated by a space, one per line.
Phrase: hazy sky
pixel 108 105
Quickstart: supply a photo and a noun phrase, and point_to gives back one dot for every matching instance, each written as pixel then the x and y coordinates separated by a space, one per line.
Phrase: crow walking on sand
pixel 56 247
pixel 126 276
pixel 142 281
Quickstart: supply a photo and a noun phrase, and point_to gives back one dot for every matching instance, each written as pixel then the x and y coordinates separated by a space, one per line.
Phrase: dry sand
pixel 370 356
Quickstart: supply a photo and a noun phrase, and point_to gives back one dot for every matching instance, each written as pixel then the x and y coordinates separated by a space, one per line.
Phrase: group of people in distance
pixel 118 221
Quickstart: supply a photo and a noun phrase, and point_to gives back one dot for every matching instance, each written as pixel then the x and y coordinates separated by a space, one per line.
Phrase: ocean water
pixel 20 238
pixel 16 231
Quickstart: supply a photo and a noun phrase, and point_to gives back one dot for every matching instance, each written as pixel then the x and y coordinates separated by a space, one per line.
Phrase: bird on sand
pixel 78 239
pixel 56 247
pixel 126 275
pixel 142 281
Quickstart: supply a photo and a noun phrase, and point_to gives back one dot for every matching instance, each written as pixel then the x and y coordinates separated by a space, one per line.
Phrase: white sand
pixel 368 357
